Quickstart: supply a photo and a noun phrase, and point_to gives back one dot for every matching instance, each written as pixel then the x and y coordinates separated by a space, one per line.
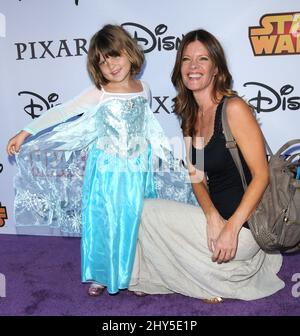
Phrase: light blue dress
pixel 115 185
pixel 90 176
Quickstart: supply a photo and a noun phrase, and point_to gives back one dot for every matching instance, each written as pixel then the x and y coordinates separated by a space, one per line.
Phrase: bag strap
pixel 231 144
pixel 269 150
pixel 292 157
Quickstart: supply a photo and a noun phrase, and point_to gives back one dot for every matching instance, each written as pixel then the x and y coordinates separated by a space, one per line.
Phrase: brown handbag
pixel 275 224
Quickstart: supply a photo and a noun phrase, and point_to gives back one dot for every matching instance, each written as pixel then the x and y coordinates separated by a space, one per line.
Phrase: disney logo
pixel 270 100
pixel 38 103
pixel 150 40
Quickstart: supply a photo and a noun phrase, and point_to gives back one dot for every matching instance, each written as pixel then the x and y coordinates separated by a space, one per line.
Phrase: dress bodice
pixel 121 125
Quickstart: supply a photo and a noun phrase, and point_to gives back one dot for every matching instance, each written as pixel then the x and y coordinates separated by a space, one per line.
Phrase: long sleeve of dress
pixel 147 92
pixel 61 113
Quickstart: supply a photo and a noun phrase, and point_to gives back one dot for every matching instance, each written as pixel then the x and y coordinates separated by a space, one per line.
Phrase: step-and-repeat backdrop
pixel 43 48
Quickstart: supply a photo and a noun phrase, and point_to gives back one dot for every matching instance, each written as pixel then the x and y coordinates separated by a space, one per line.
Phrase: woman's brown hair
pixel 185 105
pixel 112 40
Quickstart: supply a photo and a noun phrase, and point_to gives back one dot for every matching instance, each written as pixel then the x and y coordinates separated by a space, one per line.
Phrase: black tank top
pixel 224 182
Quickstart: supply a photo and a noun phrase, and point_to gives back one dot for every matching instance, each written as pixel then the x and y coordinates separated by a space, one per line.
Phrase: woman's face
pixel 197 67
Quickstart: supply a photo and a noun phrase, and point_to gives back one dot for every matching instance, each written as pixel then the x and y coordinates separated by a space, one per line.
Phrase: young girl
pixel 120 136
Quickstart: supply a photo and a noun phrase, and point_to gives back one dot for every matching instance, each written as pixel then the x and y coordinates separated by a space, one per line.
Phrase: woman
pixel 210 252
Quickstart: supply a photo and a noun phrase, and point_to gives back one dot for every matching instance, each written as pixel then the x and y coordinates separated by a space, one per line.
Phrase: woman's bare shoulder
pixel 237 107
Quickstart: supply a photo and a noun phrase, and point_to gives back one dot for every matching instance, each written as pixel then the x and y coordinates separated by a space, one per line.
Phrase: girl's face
pixel 116 69
pixel 197 67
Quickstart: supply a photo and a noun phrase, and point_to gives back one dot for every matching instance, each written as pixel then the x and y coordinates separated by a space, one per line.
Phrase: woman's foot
pixel 140 294
pixel 215 300
pixel 95 290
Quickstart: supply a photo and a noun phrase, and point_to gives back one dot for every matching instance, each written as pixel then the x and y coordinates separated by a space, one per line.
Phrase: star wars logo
pixel 3 215
pixel 277 34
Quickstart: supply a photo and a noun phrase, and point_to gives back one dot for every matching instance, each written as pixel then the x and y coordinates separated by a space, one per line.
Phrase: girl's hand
pixel 215 224
pixel 15 143
pixel 226 245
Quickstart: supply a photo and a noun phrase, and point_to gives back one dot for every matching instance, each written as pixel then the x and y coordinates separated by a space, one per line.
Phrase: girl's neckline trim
pixel 125 93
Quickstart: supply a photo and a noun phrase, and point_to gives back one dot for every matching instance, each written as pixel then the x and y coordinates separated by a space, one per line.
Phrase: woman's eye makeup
pixel 199 59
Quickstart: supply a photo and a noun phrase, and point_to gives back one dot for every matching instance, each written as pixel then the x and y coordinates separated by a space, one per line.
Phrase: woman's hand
pixel 226 245
pixel 15 143
pixel 215 225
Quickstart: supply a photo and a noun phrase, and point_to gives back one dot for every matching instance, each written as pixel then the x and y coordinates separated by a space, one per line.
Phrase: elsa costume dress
pixel 89 176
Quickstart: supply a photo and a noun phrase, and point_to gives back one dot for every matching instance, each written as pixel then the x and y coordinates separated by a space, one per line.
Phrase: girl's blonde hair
pixel 112 40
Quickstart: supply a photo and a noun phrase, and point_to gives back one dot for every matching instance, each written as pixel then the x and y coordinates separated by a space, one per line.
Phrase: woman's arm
pixel 249 139
pixel 215 222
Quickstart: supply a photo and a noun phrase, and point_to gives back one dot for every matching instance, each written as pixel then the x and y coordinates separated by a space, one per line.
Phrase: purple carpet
pixel 43 278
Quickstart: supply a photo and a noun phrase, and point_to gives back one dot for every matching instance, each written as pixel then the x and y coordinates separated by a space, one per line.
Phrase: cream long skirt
pixel 172 257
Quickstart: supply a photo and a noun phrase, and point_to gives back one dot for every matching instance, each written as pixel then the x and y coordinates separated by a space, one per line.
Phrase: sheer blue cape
pixel 51 168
